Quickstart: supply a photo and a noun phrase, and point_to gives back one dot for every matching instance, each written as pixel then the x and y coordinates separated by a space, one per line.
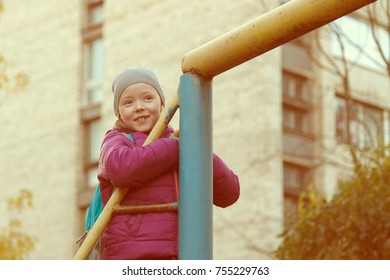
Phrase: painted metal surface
pixel 273 29
pixel 137 209
pixel 195 204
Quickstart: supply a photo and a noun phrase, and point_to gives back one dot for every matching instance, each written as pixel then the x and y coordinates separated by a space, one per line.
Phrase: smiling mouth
pixel 141 119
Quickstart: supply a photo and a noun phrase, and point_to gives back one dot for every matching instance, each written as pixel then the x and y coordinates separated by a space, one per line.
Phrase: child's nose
pixel 139 105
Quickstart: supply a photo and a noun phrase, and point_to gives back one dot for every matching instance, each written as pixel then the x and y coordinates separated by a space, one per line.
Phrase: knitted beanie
pixel 134 75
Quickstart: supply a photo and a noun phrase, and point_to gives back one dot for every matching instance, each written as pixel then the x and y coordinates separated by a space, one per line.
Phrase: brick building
pixel 275 118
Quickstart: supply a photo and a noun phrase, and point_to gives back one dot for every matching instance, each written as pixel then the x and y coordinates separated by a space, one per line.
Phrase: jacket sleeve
pixel 226 186
pixel 126 165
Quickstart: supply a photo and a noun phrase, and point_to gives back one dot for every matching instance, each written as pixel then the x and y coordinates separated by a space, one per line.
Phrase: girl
pixel 149 172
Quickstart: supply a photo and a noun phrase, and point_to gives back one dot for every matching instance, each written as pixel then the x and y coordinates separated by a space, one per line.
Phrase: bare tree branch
pixel 374 26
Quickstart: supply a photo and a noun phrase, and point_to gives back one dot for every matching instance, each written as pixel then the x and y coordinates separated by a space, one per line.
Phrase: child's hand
pixel 175 135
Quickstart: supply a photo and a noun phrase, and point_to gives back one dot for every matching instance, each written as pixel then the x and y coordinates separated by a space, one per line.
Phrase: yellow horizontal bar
pixel 273 29
pixel 137 209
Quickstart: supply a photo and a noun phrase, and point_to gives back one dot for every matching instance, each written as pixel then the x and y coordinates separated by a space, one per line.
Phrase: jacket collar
pixel 167 132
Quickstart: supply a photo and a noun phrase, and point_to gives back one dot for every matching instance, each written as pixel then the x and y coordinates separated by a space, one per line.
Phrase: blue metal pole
pixel 195 203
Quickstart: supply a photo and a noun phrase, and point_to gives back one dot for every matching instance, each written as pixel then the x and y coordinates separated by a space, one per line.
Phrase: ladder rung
pixel 136 209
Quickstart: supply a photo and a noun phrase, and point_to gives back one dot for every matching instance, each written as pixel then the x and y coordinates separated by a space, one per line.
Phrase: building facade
pixel 278 120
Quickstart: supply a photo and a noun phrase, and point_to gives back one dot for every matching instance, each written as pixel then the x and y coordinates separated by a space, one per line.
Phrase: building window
pixel 366 123
pixel 296 178
pixel 295 119
pixel 94 139
pixel 295 86
pixel 386 125
pixel 297 138
pixel 93 53
pixel 95 12
pixel 297 116
pixel 92 88
pixel 357 44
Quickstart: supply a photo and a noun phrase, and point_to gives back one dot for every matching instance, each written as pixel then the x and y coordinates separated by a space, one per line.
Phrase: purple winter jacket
pixel 149 173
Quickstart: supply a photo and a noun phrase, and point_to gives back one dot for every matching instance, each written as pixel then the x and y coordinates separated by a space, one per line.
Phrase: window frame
pixel 291 193
pixel 358 133
pixel 297 104
pixel 89 111
pixel 362 48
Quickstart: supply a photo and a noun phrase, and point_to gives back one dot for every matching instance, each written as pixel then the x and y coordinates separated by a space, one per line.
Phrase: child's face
pixel 140 107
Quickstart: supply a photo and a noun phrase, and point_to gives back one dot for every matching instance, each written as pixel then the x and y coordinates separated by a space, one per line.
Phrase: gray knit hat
pixel 134 75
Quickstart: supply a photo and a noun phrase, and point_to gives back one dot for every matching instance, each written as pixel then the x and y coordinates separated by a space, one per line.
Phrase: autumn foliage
pixel 354 224
pixel 14 243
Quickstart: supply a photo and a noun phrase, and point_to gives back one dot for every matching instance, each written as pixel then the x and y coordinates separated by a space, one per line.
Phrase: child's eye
pixel 148 98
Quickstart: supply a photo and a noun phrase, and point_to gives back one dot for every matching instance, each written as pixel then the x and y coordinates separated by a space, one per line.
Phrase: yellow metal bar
pixel 165 117
pixel 273 29
pixel 118 195
pixel 137 209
